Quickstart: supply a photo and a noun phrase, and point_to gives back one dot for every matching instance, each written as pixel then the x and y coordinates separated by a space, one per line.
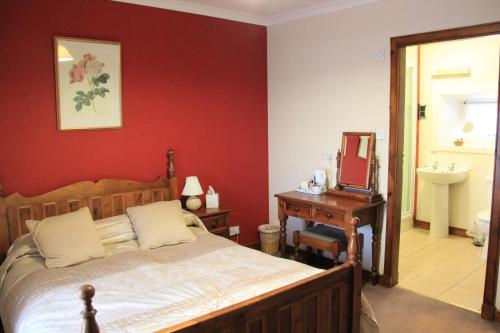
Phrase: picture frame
pixel 88 84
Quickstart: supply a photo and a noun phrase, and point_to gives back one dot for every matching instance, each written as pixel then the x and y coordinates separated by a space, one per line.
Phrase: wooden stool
pixel 323 238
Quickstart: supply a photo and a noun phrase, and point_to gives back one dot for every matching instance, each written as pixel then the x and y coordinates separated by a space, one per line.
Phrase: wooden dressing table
pixel 355 195
pixel 335 211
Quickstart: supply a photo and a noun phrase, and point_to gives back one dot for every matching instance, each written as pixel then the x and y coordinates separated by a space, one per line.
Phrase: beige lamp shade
pixel 192 186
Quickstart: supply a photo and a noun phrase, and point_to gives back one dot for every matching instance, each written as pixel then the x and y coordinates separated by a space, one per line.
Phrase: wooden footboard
pixel 326 302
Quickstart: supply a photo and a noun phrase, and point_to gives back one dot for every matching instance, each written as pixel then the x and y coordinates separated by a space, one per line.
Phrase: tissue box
pixel 212 200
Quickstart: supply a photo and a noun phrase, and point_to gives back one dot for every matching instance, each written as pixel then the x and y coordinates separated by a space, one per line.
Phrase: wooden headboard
pixel 105 198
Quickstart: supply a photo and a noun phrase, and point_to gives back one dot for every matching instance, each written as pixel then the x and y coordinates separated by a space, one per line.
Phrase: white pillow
pixel 67 239
pixel 160 223
pixel 115 229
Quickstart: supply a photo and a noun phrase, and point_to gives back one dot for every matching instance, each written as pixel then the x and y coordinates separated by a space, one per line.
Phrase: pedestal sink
pixel 440 180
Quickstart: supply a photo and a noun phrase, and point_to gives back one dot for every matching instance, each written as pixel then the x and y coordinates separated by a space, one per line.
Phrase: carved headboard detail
pixel 105 198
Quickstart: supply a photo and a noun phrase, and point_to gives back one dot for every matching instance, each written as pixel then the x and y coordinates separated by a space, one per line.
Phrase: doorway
pixel 397 160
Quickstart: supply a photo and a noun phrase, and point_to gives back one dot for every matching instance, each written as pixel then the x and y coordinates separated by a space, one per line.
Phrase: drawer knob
pixel 296 209
pixel 328 215
pixel 214 224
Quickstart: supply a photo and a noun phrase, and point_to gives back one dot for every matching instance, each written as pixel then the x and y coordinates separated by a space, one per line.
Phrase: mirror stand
pixel 367 195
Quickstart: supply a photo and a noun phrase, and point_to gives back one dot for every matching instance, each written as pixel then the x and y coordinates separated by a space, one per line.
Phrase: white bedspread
pixel 140 291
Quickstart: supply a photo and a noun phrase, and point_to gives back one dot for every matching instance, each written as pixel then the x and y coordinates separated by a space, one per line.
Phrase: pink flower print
pixel 88 67
pixel 88 57
pixel 93 67
pixel 76 74
pixel 85 59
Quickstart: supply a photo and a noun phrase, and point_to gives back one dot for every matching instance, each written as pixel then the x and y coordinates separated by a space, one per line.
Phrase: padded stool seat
pixel 323 238
pixel 328 234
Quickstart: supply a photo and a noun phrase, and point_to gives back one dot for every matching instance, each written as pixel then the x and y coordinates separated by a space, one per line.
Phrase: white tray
pixel 315 192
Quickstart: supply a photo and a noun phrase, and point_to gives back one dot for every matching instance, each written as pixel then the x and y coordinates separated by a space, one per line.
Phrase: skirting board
pixel 452 230
pixel 386 281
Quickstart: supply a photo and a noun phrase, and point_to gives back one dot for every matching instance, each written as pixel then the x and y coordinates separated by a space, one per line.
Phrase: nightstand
pixel 215 219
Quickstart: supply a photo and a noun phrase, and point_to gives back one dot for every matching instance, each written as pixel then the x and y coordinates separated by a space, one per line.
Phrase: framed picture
pixel 88 83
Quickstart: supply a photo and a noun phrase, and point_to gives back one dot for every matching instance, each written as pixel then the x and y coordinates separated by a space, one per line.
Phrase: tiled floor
pixel 449 269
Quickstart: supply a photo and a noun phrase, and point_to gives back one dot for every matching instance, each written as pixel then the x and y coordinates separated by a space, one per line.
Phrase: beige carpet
pixel 402 311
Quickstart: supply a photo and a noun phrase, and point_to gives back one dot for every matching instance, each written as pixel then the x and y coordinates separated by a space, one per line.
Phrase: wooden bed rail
pixel 327 302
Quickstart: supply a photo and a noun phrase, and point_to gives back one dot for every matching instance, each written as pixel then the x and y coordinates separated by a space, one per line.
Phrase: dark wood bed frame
pixel 326 302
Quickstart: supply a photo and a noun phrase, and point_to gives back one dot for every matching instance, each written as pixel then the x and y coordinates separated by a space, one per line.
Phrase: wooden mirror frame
pixel 369 192
pixel 370 154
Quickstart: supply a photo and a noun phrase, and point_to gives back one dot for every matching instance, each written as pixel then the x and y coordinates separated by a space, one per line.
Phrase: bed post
pixel 4 229
pixel 88 312
pixel 172 179
pixel 353 260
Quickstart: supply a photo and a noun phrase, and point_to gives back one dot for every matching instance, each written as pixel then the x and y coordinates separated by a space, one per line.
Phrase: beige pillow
pixel 189 218
pixel 67 239
pixel 160 223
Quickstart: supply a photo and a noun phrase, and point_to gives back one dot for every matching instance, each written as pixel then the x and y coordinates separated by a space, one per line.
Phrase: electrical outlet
pixel 380 134
pixel 233 231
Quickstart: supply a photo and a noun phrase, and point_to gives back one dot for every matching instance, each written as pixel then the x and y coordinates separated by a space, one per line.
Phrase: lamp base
pixel 193 203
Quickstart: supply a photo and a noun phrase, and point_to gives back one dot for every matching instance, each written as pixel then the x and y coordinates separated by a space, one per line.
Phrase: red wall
pixel 191 83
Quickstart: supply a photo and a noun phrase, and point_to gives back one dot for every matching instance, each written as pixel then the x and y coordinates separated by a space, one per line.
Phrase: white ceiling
pixel 261 12
pixel 265 8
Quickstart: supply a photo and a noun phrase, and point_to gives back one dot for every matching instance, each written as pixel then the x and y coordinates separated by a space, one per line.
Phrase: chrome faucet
pixel 435 165
pixel 451 167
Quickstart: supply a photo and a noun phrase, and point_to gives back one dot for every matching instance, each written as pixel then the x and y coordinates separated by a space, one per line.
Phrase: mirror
pixel 356 154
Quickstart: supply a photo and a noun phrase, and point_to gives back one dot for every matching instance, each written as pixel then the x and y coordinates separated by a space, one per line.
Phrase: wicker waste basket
pixel 269 238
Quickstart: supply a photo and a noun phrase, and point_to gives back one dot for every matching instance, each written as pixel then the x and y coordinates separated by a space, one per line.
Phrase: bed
pixel 210 285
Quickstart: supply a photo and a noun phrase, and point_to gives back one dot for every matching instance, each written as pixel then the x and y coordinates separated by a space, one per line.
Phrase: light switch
pixel 326 154
pixel 380 134
pixel 380 54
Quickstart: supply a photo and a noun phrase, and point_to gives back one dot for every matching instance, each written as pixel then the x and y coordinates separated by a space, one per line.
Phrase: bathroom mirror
pixel 356 155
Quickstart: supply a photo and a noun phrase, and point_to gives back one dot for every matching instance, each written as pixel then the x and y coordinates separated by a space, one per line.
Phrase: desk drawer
pixel 298 210
pixel 327 216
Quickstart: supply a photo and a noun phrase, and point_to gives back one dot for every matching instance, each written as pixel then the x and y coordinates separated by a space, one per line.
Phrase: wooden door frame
pixel 394 183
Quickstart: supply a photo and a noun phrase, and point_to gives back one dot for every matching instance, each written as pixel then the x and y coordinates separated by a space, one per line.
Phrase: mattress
pixel 142 290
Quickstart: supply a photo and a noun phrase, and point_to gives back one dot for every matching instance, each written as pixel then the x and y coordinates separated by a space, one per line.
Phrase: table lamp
pixel 192 189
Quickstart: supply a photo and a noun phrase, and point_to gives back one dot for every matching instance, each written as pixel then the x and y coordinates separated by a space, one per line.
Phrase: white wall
pixel 324 78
